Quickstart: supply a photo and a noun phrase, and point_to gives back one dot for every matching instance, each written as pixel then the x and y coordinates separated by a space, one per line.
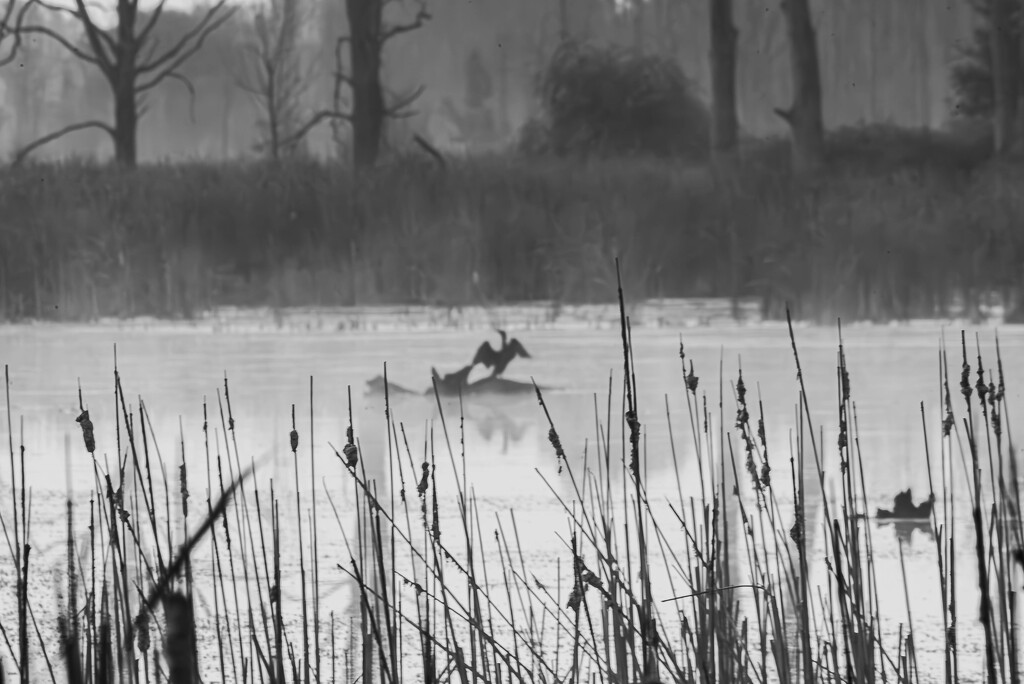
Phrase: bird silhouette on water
pixel 904 508
pixel 454 383
pixel 498 360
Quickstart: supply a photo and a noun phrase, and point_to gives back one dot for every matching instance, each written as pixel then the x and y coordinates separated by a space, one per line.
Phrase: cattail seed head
pixel 87 432
pixel 142 630
pixel 421 487
pixel 965 380
pixel 351 455
pixel 692 380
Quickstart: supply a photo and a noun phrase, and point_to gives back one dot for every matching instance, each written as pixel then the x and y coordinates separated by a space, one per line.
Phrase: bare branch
pixel 149 49
pixel 61 9
pixel 81 16
pixel 422 16
pixel 341 79
pixel 96 38
pixel 187 54
pixel 190 43
pixel 7 31
pixel 154 17
pixel 395 110
pixel 183 80
pixel 8 11
pixel 21 154
pixel 431 150
pixel 303 130
pixel 68 45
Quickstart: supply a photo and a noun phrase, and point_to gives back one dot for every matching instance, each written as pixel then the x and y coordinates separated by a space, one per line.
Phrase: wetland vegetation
pixel 735 582
pixel 903 224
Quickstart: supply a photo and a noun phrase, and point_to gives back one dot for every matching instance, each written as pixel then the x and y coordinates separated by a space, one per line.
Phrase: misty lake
pixel 509 463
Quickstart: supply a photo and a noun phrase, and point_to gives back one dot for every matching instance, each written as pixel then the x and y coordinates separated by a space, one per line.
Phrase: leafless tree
pixel 130 59
pixel 277 74
pixel 279 77
pixel 1006 70
pixel 804 115
pixel 12 17
pixel 369 33
pixel 724 122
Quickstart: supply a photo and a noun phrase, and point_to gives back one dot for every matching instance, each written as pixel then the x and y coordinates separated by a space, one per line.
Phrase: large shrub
pixel 612 101
pixel 971 71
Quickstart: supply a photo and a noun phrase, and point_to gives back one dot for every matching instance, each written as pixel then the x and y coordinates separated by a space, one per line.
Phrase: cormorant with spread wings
pixel 498 360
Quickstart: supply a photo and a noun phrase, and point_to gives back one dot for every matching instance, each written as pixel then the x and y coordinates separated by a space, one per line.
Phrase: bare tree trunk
pixel 272 123
pixel 126 121
pixel 368 112
pixel 503 47
pixel 1006 71
pixel 129 61
pixel 724 122
pixel 126 111
pixel 804 115
pixel 1020 73
pixel 637 8
pixel 225 124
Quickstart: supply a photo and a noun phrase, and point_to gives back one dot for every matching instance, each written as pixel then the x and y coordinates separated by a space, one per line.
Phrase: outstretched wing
pixel 485 355
pixel 459 376
pixel 518 349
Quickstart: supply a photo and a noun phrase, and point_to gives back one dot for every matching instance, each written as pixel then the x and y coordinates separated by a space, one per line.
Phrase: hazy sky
pixel 102 11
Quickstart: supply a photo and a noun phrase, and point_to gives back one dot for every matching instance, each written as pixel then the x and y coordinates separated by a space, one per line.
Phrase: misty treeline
pixel 264 50
pixel 277 78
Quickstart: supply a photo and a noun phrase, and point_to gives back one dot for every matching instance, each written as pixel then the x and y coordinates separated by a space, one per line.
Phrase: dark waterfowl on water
pixel 498 360
pixel 904 508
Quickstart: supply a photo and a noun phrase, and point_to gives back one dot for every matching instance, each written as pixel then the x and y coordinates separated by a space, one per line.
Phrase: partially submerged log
pixel 485 386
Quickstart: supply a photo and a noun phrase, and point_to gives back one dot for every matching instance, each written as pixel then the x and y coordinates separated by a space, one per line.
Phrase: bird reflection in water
pixel 905 529
pixel 492 420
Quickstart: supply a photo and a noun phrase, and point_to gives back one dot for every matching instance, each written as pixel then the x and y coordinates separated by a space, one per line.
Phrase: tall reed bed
pixel 901 227
pixel 718 583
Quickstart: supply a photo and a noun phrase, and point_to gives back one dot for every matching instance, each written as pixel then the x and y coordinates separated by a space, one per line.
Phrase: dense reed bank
pixel 733 579
pixel 902 225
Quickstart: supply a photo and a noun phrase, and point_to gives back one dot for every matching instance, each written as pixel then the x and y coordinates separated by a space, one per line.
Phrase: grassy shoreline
pixel 909 227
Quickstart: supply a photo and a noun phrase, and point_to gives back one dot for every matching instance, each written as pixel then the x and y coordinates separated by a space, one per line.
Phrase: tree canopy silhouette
pixel 131 60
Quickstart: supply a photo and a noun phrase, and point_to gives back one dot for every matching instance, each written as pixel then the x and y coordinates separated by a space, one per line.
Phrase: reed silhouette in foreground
pixel 647 590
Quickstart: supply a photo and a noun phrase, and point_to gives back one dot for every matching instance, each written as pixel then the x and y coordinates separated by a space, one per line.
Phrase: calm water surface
pixel 507 455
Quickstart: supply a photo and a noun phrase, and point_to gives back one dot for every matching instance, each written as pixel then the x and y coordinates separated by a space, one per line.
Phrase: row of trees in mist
pixel 135 50
pixel 273 67
pixel 998 67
